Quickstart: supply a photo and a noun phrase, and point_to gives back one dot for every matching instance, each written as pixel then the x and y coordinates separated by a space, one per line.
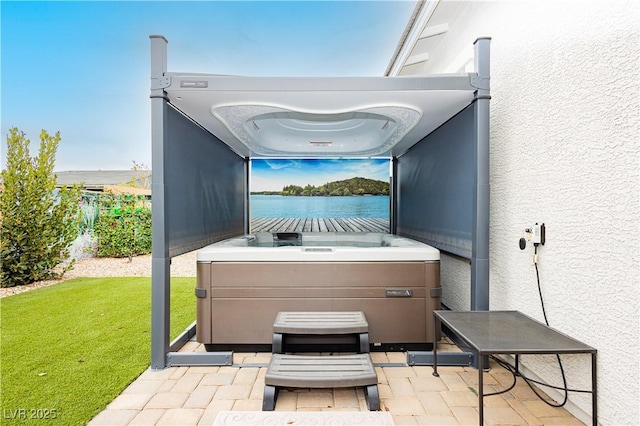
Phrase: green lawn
pixel 69 349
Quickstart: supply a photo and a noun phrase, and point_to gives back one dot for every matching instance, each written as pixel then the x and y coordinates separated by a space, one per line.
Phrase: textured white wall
pixel 565 86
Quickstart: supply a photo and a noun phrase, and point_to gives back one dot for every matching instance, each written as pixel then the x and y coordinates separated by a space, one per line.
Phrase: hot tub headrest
pixel 288 236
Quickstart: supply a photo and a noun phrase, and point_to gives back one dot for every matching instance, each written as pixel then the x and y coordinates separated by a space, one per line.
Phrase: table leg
pixel 436 322
pixel 480 389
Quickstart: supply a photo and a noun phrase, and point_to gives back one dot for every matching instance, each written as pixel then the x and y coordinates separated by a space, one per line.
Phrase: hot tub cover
pixel 320 247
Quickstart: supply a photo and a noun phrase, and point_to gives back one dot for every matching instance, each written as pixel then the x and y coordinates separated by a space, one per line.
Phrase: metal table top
pixel 492 332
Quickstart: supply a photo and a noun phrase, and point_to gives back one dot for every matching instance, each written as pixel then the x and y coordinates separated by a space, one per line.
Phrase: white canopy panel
pixel 319 117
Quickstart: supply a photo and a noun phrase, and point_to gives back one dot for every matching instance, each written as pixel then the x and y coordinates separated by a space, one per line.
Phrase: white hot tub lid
pixel 321 249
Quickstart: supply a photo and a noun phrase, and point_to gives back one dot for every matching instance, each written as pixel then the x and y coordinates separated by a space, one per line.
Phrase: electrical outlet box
pixel 538 234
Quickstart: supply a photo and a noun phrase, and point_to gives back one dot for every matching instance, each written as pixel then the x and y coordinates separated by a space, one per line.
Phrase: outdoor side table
pixel 510 332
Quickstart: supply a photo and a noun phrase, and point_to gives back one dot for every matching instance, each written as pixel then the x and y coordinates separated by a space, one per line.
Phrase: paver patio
pixel 195 395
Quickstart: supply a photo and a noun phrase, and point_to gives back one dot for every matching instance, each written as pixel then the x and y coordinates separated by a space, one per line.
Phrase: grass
pixel 73 347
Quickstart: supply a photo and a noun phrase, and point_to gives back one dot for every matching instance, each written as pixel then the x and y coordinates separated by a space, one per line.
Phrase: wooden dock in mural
pixel 315 224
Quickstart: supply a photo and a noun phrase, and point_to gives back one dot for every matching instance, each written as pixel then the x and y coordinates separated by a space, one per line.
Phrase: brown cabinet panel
pixel 243 298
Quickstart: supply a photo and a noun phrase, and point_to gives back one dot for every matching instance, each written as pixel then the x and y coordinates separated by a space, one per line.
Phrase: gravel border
pixel 140 266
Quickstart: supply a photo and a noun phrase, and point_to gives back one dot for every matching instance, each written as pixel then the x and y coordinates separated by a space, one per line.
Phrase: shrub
pixel 123 226
pixel 37 222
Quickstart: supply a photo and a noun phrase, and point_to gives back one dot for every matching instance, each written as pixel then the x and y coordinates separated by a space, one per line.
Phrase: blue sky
pixel 82 68
pixel 273 174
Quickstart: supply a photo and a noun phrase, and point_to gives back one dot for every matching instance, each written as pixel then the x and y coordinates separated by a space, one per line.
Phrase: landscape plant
pixel 38 222
pixel 123 226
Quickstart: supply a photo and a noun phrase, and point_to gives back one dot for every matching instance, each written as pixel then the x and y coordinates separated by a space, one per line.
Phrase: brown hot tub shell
pixel 238 301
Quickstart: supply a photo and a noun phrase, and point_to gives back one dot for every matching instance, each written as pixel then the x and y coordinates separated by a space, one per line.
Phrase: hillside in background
pixel 348 187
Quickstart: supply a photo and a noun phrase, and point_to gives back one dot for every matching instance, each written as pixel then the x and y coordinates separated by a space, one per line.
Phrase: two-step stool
pixel 328 371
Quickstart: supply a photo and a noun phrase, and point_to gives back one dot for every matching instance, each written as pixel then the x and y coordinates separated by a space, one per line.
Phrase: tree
pixel 37 222
pixel 308 190
pixel 142 178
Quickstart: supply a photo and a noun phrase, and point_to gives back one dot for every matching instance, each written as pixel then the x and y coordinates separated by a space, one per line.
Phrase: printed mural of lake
pixel 273 206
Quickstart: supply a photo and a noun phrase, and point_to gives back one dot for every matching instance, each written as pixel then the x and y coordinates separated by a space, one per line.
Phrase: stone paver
pixel 181 416
pixel 245 376
pixel 233 392
pixel 130 401
pixel 114 417
pixel 207 369
pixel 405 420
pixel 397 357
pixel 452 380
pixel 257 391
pixel 150 374
pixel 144 386
pixel 187 383
pixel 385 392
pixel 219 378
pixel 524 413
pixel 149 416
pixel 494 402
pixel 504 379
pixel 167 386
pixel 167 400
pixel 382 378
pixel 522 392
pixel 560 421
pixel 434 404
pixel 401 387
pixel 346 398
pixel 502 416
pixel 287 401
pixel 255 358
pixel 315 399
pixel 436 420
pixel 201 397
pixel 399 372
pixel 179 372
pixel 404 406
pixel 428 384
pixel 540 409
pixel 471 378
pixel 467 416
pixel 379 357
pixel 464 398
pixel 247 405
pixel 213 409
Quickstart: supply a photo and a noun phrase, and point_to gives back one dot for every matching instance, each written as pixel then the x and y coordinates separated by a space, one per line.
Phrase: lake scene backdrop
pixel 320 188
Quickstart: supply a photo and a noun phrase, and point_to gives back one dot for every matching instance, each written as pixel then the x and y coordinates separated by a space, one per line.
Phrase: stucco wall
pixel 565 85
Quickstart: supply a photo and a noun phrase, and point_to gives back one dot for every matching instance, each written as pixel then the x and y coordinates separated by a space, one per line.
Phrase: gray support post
pixel 247 195
pixel 393 208
pixel 160 260
pixel 480 237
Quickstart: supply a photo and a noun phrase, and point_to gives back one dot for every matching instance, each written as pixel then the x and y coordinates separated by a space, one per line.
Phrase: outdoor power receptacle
pixel 538 234
pixel 535 234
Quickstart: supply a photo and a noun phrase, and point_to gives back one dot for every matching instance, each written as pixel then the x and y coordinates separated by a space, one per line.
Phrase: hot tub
pixel 242 284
